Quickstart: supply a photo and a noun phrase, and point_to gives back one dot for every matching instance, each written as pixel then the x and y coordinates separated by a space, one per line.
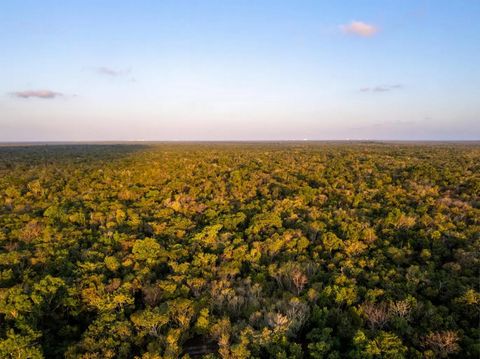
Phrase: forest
pixel 240 250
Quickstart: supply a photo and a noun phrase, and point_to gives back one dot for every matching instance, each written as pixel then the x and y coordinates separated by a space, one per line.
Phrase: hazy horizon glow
pixel 237 70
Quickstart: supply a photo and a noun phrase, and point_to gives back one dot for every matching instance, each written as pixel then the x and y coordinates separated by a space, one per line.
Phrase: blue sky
pixel 239 70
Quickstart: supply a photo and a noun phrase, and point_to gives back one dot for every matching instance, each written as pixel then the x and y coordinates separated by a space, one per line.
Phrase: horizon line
pixel 120 141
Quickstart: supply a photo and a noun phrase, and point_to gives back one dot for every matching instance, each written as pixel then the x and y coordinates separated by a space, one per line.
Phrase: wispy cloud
pixel 359 28
pixel 382 88
pixel 43 94
pixel 107 71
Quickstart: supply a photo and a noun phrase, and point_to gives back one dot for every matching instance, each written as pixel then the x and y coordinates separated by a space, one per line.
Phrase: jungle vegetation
pixel 240 250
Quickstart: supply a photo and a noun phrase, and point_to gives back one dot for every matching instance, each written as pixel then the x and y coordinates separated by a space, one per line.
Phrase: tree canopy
pixel 254 250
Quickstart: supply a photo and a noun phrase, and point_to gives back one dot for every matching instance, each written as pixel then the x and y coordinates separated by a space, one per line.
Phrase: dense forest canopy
pixel 263 250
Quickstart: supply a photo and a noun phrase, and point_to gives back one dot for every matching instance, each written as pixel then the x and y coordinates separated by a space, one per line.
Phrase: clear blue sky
pixel 239 70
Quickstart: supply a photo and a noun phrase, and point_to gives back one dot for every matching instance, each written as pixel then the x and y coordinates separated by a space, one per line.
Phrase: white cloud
pixel 359 28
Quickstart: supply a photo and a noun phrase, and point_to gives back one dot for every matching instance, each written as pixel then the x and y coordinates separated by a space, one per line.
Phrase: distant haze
pixel 239 70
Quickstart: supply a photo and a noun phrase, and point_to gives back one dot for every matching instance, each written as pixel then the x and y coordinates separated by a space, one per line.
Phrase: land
pixel 238 250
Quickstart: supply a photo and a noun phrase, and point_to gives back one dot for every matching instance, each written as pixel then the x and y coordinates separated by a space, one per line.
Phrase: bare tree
pixel 297 314
pixel 400 308
pixel 377 315
pixel 443 343
pixel 32 230
pixel 299 280
pixel 151 295
pixel 278 321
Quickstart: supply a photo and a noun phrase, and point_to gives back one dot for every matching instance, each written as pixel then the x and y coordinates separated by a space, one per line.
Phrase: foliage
pixel 291 250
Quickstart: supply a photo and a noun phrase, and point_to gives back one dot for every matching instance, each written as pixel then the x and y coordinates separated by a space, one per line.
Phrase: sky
pixel 239 70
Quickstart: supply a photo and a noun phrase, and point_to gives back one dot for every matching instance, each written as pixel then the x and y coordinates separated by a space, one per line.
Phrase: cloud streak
pixel 359 28
pixel 382 88
pixel 107 71
pixel 43 94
